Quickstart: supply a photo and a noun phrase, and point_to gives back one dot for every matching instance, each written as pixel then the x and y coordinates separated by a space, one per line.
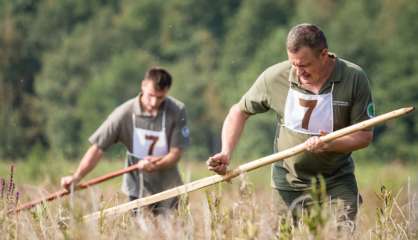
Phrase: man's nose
pixel 300 71
pixel 154 102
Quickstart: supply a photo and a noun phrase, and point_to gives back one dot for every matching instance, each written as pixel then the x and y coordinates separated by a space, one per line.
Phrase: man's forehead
pixel 151 89
pixel 300 61
pixel 301 57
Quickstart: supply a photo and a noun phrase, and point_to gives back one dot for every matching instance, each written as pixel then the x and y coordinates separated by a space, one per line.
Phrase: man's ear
pixel 142 85
pixel 324 52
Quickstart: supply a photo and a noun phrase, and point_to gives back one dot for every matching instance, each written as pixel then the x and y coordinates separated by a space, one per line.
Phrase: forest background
pixel 65 65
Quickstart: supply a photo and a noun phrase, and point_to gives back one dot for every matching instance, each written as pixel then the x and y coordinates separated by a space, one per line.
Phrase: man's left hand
pixel 151 163
pixel 316 145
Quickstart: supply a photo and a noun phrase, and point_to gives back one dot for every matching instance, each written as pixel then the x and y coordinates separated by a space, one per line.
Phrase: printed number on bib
pixel 154 140
pixel 310 104
pixel 308 113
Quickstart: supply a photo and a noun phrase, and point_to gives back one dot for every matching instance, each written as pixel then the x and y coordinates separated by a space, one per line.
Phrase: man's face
pixel 309 66
pixel 151 98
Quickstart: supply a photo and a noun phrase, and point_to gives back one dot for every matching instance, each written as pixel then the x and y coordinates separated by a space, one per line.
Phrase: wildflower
pixel 2 185
pixel 11 183
pixel 17 198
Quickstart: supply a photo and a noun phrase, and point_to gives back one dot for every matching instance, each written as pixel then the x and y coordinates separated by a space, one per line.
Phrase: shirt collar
pixel 336 72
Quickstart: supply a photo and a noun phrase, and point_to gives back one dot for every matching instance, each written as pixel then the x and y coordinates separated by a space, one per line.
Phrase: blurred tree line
pixel 64 65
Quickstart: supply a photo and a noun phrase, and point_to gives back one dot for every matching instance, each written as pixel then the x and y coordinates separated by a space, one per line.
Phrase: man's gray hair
pixel 306 35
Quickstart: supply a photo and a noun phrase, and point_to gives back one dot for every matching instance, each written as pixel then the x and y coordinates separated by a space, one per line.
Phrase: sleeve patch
pixel 185 132
pixel 370 110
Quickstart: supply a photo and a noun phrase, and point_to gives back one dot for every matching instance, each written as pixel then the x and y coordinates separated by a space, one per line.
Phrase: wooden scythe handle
pixel 64 192
pixel 211 180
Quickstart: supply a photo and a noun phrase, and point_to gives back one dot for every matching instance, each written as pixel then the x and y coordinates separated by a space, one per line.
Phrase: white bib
pixel 309 114
pixel 144 143
pixel 148 142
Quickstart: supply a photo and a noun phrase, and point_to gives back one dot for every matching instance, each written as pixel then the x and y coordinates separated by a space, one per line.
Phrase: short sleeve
pixel 180 135
pixel 362 106
pixel 256 100
pixel 108 133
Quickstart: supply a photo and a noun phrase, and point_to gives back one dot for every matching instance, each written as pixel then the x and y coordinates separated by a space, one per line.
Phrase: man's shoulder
pixel 350 67
pixel 279 70
pixel 174 104
pixel 128 105
pixel 126 108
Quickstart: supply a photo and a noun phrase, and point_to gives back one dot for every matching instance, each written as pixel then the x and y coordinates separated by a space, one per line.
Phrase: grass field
pixel 242 209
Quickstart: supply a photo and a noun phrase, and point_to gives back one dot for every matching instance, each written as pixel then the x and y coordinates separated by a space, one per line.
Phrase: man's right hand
pixel 67 181
pixel 148 164
pixel 218 163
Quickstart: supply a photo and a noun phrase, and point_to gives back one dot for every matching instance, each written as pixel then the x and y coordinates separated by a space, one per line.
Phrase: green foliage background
pixel 64 65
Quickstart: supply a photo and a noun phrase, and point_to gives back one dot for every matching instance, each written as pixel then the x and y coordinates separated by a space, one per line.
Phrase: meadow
pixel 245 208
pixel 65 65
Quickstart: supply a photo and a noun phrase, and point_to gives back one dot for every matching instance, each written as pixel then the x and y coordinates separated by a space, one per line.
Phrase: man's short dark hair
pixel 306 35
pixel 160 77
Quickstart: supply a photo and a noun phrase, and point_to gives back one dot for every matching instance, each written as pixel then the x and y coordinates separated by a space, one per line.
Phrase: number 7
pixel 153 140
pixel 310 104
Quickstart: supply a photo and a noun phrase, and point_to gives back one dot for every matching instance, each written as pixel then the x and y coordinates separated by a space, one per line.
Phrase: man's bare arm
pixel 349 143
pixel 166 161
pixel 231 131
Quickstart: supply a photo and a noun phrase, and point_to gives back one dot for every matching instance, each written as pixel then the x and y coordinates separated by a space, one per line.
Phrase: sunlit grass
pixel 242 209
pixel 48 172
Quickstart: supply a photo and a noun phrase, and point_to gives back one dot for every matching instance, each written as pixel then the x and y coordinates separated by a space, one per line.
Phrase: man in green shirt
pixel 152 127
pixel 314 92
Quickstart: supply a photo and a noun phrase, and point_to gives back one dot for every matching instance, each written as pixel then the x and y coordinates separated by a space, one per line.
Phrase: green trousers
pixel 344 188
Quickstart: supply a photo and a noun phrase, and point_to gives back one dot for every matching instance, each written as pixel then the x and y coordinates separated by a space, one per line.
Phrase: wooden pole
pixel 211 180
pixel 64 192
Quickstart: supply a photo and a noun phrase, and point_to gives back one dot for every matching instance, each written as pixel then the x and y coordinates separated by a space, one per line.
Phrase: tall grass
pixel 237 210
pixel 8 201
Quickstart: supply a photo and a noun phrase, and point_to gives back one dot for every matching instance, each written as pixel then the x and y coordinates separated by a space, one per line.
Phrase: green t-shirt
pixel 118 128
pixel 352 103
